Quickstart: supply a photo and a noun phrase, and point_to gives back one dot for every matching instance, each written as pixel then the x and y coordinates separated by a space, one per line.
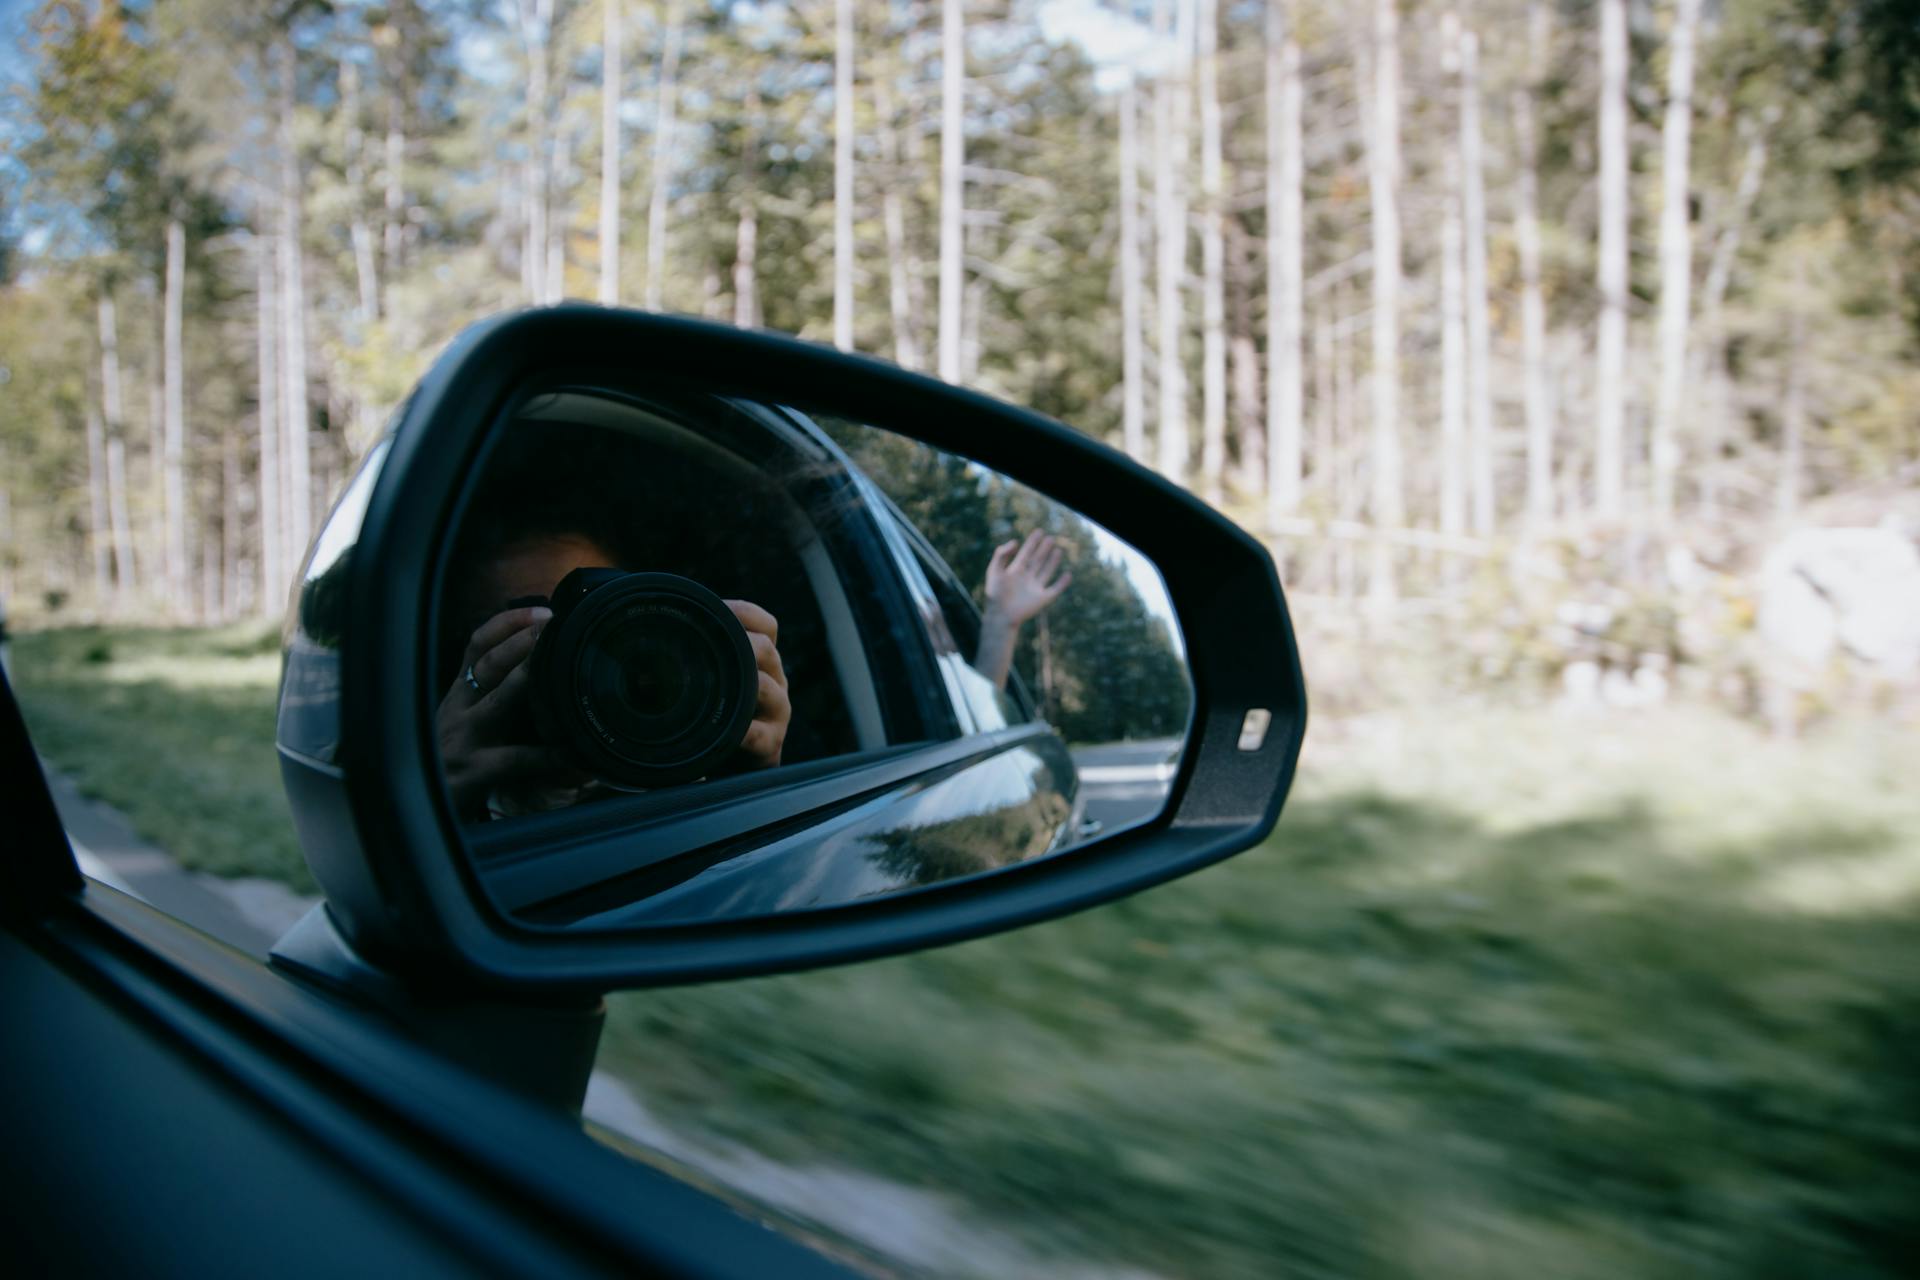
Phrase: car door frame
pixel 501 1183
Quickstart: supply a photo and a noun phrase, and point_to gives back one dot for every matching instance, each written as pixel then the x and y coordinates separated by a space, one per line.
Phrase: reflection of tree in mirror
pixel 971 843
pixel 1102 665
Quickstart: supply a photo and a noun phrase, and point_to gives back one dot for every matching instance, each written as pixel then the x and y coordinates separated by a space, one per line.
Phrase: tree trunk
pixel 1610 363
pixel 1533 303
pixel 610 53
pixel 1717 424
pixel 666 104
pixel 360 234
pixel 1245 409
pixel 746 236
pixel 297 482
pixel 536 36
pixel 268 507
pixel 1453 307
pixel 232 546
pixel 1388 502
pixel 893 220
pixel 952 185
pixel 1479 327
pixel 843 174
pixel 1213 263
pixel 393 233
pixel 1676 256
pixel 99 534
pixel 1172 103
pixel 1793 412
pixel 1133 402
pixel 119 518
pixel 173 374
pixel 114 428
pixel 1285 252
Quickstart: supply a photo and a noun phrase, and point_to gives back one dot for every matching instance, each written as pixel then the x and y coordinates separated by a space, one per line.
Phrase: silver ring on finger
pixel 477 686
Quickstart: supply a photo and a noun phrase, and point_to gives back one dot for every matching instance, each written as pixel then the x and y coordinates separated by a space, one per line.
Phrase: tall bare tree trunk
pixel 665 109
pixel 1479 326
pixel 1533 303
pixel 297 482
pixel 843 174
pixel 173 375
pixel 746 235
pixel 119 518
pixel 99 534
pixel 1245 407
pixel 232 545
pixel 1793 410
pixel 1133 395
pixel 1717 424
pixel 1388 504
pixel 1610 362
pixel 536 36
pixel 360 234
pixel 560 183
pixel 893 221
pixel 394 199
pixel 1172 105
pixel 1453 307
pixel 610 80
pixel 1213 263
pixel 1285 249
pixel 1676 256
pixel 270 510
pixel 953 154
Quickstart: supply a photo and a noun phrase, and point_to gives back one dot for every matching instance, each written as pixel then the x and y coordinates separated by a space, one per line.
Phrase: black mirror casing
pixel 357 717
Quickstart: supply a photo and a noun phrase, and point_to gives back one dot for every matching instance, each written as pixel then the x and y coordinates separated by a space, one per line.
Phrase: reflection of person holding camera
pixel 1023 579
pixel 496 764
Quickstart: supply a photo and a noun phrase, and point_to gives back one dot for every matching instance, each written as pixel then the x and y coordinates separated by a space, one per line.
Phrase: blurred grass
pixel 174 727
pixel 1509 993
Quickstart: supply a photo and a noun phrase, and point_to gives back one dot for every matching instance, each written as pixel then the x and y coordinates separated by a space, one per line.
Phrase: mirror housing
pixel 357 726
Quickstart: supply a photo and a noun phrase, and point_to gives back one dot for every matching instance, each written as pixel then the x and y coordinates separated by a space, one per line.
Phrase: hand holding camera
pixel 626 681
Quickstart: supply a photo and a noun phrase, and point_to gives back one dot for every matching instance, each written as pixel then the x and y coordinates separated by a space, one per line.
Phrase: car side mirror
pixel 643 650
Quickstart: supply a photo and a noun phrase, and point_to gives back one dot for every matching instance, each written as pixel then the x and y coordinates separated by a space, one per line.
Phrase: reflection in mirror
pixel 707 658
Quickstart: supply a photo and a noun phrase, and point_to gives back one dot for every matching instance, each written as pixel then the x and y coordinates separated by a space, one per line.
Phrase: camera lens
pixel 645 679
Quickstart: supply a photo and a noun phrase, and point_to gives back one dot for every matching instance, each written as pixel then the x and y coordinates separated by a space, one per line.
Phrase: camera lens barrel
pixel 642 679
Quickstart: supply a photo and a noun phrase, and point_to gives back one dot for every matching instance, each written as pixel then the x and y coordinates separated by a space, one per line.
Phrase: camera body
pixel 642 679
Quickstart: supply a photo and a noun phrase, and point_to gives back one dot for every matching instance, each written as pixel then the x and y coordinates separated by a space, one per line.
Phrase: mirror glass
pixel 706 658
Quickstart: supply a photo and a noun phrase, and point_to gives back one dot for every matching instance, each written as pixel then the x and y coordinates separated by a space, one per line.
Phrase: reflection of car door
pixel 1025 788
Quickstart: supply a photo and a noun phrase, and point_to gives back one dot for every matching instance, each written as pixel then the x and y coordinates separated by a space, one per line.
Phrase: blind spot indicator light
pixel 1253 729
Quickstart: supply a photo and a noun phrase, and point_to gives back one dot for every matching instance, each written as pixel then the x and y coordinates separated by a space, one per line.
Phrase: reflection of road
pixel 1124 783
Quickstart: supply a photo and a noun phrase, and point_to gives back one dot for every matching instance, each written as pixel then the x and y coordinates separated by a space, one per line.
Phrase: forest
pixel 1416 289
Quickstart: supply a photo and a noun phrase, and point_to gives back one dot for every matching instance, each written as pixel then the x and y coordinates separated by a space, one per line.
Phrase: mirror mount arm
pixel 540 1048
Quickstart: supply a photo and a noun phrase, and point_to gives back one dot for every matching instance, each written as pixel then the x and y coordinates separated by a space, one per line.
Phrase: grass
pixel 1508 993
pixel 175 728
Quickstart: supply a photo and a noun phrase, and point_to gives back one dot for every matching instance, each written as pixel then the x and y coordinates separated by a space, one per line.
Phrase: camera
pixel 642 679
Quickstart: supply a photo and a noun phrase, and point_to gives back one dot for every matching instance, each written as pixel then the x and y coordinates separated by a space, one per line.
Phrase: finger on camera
pixel 493 666
pixel 756 620
pixel 772 702
pixel 767 657
pixel 501 626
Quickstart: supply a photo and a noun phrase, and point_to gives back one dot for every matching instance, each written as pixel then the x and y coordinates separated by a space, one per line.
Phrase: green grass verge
pixel 1508 994
pixel 174 727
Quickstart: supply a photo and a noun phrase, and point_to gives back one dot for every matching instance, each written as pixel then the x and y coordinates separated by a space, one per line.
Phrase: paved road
pixel 1126 782
pixel 246 913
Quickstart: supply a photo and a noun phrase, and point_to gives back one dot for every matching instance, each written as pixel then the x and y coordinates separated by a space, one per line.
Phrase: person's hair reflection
pixel 514 550
pixel 1023 579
